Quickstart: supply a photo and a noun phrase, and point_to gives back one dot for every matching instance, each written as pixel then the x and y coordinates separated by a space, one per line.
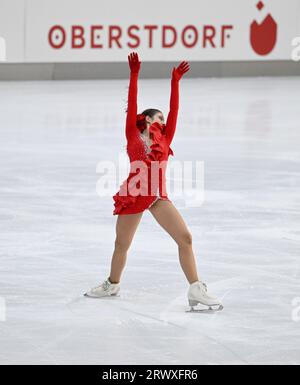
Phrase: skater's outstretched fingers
pixel 134 62
pixel 184 67
pixel 178 72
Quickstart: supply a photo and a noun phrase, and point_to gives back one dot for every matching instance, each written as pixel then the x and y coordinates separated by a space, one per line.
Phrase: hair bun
pixel 140 122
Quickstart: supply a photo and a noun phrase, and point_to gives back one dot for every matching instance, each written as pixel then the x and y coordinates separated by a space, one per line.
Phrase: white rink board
pixel 12 30
pixel 192 23
pixel 238 15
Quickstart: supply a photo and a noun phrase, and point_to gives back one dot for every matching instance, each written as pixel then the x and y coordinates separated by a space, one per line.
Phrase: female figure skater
pixel 148 142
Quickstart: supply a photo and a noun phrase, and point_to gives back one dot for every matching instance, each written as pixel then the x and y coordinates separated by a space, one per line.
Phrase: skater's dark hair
pixel 141 118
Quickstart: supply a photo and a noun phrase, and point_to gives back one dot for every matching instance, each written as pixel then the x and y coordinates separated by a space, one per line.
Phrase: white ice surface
pixel 57 234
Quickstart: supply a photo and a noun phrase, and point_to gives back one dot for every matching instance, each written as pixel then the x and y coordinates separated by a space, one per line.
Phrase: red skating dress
pixel 131 198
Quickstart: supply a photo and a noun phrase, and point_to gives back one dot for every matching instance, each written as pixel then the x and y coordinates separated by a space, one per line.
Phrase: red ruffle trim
pixel 122 202
pixel 158 144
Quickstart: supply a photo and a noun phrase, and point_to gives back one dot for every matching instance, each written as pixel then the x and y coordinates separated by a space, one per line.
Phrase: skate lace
pixel 204 286
pixel 105 285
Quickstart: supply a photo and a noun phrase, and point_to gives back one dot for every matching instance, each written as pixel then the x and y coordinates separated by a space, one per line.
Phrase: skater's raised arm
pixel 177 74
pixel 134 64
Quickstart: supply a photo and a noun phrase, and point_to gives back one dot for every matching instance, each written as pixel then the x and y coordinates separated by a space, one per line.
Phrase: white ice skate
pixel 105 289
pixel 197 294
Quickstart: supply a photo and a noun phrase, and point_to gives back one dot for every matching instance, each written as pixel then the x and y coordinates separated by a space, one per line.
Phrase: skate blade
pixel 103 297
pixel 208 310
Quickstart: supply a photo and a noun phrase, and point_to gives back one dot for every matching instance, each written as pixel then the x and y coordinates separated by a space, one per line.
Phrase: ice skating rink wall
pixel 60 39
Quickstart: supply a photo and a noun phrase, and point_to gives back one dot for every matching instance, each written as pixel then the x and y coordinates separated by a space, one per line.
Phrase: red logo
pixel 263 36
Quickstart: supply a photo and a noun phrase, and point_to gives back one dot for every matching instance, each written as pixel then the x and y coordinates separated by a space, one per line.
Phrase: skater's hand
pixel 178 72
pixel 134 63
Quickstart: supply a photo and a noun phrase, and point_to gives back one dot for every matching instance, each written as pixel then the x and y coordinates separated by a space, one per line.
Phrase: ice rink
pixel 57 234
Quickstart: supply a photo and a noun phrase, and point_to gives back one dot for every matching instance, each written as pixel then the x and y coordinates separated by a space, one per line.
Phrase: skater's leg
pixel 171 220
pixel 126 226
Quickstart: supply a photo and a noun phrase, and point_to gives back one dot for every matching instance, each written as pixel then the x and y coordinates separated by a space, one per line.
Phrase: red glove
pixel 178 72
pixel 134 63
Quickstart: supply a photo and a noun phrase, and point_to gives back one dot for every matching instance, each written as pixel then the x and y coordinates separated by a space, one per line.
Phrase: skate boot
pixel 197 294
pixel 105 289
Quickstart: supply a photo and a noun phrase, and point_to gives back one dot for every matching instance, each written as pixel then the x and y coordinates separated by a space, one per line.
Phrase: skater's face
pixel 158 117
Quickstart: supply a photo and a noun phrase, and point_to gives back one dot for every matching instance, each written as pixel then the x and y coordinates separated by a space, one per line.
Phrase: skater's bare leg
pixel 126 226
pixel 171 220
